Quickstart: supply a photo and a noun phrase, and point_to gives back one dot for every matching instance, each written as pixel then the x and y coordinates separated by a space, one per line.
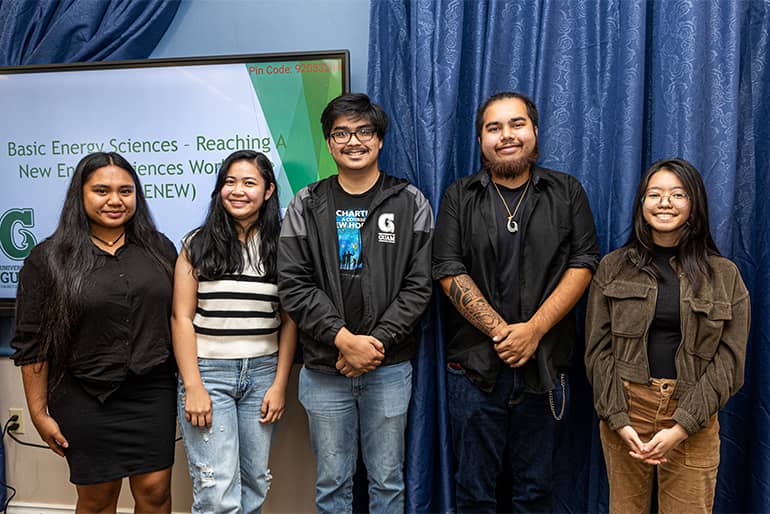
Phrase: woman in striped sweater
pixel 233 345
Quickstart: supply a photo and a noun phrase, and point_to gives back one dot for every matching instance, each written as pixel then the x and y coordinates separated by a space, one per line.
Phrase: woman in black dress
pixel 93 339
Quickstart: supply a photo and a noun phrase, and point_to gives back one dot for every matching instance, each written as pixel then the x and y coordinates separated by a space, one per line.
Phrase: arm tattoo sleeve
pixel 468 300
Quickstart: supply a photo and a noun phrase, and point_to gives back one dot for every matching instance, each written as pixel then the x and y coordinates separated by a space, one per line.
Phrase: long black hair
pixel 695 244
pixel 70 258
pixel 214 249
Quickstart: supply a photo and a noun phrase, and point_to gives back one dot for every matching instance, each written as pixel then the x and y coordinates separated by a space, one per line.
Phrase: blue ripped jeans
pixel 340 409
pixel 229 461
pixel 485 425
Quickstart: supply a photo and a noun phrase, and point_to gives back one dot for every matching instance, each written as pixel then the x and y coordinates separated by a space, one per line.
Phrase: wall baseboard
pixel 39 508
pixel 50 508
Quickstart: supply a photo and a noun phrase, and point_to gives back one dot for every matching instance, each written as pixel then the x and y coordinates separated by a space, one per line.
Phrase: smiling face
pixel 244 191
pixel 354 156
pixel 666 207
pixel 508 138
pixel 109 199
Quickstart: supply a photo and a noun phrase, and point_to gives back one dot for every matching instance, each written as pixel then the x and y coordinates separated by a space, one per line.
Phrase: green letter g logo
pixel 16 241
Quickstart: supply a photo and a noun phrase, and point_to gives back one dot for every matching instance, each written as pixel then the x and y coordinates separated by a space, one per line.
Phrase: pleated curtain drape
pixel 619 84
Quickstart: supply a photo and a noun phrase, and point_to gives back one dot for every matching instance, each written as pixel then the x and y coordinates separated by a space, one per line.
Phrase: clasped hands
pixel 358 354
pixel 655 450
pixel 515 343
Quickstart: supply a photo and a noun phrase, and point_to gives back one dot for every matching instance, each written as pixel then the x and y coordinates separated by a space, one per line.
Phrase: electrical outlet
pixel 20 420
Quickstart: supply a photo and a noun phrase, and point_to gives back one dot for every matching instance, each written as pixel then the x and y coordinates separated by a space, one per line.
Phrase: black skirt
pixel 131 433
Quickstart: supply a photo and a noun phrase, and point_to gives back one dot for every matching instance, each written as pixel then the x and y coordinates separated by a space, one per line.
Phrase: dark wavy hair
pixel 528 103
pixel 356 105
pixel 695 244
pixel 214 249
pixel 71 259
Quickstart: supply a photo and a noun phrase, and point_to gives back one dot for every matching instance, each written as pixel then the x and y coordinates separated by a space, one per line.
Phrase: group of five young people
pixel 667 323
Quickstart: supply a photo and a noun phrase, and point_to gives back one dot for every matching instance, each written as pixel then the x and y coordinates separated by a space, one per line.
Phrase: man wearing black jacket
pixel 515 249
pixel 354 274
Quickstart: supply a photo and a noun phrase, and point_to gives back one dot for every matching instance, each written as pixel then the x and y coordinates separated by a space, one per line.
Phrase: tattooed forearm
pixel 468 300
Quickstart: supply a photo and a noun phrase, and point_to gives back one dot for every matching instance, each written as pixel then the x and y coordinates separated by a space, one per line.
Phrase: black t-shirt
pixel 665 330
pixel 350 212
pixel 509 251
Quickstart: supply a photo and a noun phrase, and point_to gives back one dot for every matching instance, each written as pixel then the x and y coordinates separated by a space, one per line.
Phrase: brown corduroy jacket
pixel 710 359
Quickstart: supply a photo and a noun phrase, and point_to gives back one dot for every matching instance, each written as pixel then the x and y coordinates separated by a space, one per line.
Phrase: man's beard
pixel 510 169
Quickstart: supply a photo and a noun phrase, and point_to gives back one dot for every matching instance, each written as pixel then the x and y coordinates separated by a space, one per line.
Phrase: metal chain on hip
pixel 562 382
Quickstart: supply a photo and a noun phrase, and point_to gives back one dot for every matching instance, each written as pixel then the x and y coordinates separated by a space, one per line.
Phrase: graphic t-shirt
pixel 351 212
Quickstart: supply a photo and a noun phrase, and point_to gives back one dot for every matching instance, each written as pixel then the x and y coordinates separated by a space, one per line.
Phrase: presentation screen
pixel 173 120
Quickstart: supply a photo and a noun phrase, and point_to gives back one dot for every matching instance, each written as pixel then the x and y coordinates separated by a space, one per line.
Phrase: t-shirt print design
pixel 349 223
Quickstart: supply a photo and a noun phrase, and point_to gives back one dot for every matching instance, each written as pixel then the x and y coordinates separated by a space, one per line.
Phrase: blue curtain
pixel 619 84
pixel 48 31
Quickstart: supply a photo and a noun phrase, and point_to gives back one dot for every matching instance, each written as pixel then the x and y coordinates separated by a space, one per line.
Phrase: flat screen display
pixel 174 120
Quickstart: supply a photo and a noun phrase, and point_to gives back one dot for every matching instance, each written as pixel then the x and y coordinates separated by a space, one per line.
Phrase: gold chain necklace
pixel 107 242
pixel 512 225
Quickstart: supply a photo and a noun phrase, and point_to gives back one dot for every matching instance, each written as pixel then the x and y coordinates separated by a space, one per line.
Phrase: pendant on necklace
pixel 512 226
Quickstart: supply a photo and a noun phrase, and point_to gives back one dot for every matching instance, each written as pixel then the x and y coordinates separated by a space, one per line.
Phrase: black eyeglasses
pixel 363 134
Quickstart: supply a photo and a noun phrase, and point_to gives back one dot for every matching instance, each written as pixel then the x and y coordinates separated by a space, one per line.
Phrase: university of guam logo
pixel 387 225
pixel 16 241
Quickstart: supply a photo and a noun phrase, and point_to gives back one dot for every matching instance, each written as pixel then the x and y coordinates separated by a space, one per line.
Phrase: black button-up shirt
pixel 557 232
pixel 124 322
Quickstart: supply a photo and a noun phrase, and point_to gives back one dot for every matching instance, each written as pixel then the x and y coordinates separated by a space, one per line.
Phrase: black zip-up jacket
pixel 395 278
pixel 557 233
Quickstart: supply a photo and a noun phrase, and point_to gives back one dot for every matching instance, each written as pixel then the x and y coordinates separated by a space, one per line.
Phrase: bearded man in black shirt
pixel 515 249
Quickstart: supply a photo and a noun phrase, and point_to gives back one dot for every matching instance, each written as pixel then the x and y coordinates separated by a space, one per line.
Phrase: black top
pixel 557 232
pixel 665 330
pixel 124 326
pixel 509 244
pixel 350 212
